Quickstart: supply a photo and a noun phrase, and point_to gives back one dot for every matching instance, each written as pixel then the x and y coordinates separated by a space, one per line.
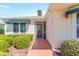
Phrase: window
pixel 19 27
pixel 78 25
pixel 15 27
pixel 23 27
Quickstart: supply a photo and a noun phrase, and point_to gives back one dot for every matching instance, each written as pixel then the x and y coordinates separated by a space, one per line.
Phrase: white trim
pixel 73 26
pixel 19 32
pixel 19 28
pixel 5 29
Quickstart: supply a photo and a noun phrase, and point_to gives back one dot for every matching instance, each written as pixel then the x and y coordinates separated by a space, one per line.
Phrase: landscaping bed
pixel 70 48
pixel 18 52
pixel 15 45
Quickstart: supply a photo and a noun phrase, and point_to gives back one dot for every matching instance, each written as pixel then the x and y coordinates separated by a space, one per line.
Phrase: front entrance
pixel 41 30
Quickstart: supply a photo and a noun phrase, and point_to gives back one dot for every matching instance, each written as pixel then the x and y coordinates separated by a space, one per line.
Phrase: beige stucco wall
pixel 71 27
pixel 49 28
pixel 59 27
pixel 59 33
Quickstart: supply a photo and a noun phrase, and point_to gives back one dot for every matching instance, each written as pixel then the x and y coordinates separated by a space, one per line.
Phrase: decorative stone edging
pixel 20 52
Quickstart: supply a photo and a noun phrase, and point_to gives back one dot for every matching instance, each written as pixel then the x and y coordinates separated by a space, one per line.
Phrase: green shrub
pixel 30 36
pixel 13 36
pixel 70 48
pixel 1 31
pixel 9 39
pixel 4 44
pixel 22 41
pixel 4 53
pixel 5 50
pixel 1 35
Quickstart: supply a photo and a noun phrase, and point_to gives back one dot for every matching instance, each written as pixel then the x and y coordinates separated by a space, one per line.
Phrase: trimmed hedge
pixel 19 41
pixel 9 39
pixel 5 50
pixel 29 35
pixel 13 36
pixel 70 48
pixel 22 41
pixel 4 53
pixel 4 44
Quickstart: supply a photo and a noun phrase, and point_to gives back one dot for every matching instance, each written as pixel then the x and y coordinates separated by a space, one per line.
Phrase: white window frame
pixel 19 29
pixel 23 28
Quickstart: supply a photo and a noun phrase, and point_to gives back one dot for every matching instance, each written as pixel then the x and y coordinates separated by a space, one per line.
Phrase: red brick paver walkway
pixel 41 47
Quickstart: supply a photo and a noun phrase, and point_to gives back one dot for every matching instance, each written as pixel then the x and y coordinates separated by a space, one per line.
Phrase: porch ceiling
pixel 60 6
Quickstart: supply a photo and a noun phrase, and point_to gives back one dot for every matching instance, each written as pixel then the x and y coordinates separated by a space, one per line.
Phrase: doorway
pixel 41 30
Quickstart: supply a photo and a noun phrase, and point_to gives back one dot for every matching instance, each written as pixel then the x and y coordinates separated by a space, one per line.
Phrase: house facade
pixel 24 25
pixel 57 25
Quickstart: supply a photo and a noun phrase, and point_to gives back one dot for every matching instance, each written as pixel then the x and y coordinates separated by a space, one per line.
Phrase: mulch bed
pixel 18 52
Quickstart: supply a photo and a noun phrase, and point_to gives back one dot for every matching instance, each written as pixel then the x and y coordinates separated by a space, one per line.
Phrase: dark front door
pixel 39 30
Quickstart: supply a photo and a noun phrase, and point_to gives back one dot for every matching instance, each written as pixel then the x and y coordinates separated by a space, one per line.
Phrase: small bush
pixel 70 48
pixel 13 36
pixel 22 42
pixel 4 44
pixel 5 50
pixel 1 31
pixel 30 36
pixel 9 39
pixel 4 53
